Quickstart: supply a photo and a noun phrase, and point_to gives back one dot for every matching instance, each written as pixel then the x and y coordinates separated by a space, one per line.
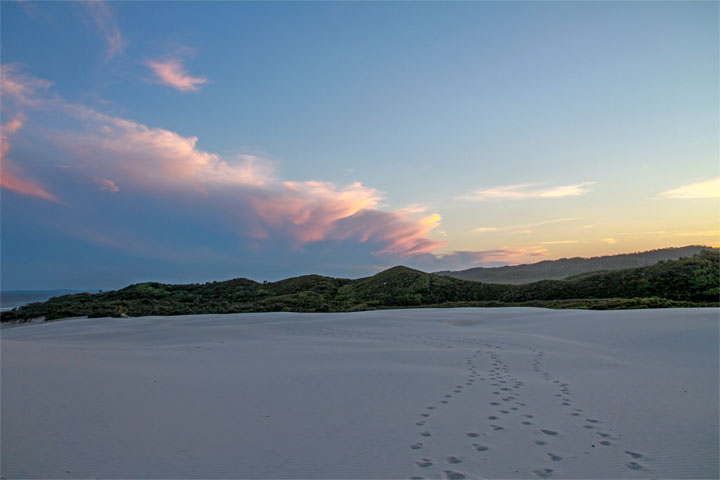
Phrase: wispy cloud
pixel 414 208
pixel 462 259
pixel 527 190
pixel 559 242
pixel 104 19
pixel 609 240
pixel 701 233
pixel 20 88
pixel 707 189
pixel 524 228
pixel 173 74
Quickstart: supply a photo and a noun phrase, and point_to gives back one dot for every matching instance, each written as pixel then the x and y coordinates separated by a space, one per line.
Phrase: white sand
pixel 346 395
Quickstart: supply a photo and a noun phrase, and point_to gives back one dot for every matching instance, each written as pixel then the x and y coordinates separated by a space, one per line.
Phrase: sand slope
pixel 463 393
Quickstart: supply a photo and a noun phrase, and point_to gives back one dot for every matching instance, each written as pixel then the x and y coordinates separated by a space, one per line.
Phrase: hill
pixel 568 267
pixel 693 281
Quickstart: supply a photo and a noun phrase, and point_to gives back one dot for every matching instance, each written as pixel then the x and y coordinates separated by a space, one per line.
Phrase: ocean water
pixel 10 299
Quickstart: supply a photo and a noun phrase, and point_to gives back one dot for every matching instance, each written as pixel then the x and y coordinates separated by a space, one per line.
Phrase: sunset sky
pixel 194 141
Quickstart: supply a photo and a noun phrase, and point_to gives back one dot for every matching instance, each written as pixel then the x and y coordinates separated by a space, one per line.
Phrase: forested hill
pixel 691 281
pixel 567 267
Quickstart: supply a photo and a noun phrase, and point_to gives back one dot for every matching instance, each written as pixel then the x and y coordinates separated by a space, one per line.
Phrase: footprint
pixel 497 427
pixel 554 458
pixel 634 466
pixel 633 454
pixel 605 443
pixel 420 423
pixel 416 446
pixel 543 472
pixel 472 434
pixel 492 417
pixel 425 434
pixel 526 423
pixel 549 432
pixel 453 459
pixel 451 475
pixel 424 463
pixel 425 415
pixel 481 448
pixel 540 442
pixel 592 420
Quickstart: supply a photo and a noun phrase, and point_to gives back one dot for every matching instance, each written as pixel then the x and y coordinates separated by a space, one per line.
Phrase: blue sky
pixel 195 141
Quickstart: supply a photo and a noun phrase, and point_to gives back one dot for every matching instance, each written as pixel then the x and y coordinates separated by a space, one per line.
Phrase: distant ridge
pixel 569 267
pixel 689 282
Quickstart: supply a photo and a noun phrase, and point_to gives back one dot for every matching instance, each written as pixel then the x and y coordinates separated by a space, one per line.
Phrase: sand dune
pixel 464 393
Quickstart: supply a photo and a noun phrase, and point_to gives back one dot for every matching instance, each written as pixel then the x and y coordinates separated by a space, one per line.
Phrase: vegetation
pixel 568 267
pixel 693 281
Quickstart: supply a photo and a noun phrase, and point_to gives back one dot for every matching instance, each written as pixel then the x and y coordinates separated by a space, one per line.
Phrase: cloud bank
pixel 107 151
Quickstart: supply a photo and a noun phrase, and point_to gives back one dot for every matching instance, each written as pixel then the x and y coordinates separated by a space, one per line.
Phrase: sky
pixel 197 141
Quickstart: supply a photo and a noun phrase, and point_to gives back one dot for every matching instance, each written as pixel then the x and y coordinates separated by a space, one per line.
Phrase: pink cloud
pixel 10 180
pixel 410 238
pixel 10 175
pixel 400 234
pixel 173 74
pixel 309 210
pixel 107 184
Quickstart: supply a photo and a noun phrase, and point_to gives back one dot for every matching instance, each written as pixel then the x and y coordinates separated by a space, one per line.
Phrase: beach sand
pixel 431 393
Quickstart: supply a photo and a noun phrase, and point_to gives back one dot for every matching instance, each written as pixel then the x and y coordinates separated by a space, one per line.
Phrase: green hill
pixel 693 281
pixel 568 267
